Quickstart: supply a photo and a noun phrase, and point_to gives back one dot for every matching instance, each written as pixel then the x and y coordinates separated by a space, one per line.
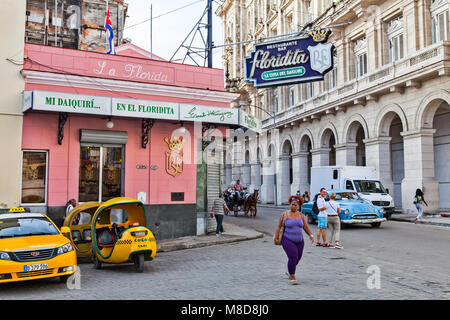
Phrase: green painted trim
pixel 94 224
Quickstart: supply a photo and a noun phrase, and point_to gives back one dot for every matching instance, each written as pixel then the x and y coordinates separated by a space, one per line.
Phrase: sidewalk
pixel 232 233
pixel 433 219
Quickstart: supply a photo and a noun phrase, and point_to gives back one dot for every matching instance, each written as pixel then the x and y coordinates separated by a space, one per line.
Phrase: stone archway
pixel 388 157
pixel 326 154
pixel 432 141
pixel 353 151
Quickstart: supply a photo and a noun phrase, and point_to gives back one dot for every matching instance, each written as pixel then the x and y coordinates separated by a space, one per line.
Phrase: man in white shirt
pixel 322 218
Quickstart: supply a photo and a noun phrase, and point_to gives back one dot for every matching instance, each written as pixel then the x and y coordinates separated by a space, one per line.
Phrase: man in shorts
pixel 322 218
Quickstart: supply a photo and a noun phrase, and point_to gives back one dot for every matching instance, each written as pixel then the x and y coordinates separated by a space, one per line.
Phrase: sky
pixel 171 29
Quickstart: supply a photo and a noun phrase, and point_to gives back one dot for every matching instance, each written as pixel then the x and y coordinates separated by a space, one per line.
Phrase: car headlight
pixel 4 256
pixel 381 210
pixel 65 248
pixel 346 211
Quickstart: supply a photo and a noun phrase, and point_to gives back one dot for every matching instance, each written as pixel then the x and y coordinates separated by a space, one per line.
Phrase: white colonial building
pixel 385 104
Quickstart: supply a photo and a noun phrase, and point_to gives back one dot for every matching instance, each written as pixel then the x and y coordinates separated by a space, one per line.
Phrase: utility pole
pixel 151 34
pixel 209 39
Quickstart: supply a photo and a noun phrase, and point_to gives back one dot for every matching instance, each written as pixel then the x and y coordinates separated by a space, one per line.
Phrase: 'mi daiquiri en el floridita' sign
pixel 303 59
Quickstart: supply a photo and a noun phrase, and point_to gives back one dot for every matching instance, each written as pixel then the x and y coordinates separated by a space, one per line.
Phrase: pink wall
pixel 40 132
pixel 101 65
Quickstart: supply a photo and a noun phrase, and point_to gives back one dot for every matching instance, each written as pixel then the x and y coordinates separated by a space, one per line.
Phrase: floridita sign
pixel 303 59
pixel 123 107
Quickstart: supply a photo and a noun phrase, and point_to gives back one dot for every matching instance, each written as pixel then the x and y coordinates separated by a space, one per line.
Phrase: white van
pixel 363 180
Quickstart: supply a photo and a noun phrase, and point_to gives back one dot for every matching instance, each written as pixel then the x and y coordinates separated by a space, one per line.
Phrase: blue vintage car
pixel 354 210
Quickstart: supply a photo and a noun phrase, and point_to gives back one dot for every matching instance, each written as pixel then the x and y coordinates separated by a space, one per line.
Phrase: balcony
pixel 427 63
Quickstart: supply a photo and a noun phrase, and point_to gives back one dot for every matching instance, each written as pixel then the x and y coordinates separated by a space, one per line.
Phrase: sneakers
pixel 338 246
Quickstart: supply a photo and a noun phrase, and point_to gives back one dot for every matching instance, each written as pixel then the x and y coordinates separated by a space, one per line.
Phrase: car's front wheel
pixel 310 218
pixel 376 224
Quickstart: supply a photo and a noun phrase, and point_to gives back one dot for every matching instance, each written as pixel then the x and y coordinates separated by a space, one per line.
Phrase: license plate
pixel 36 267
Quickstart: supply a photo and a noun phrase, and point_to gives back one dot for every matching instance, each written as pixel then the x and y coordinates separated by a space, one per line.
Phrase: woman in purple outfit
pixel 292 241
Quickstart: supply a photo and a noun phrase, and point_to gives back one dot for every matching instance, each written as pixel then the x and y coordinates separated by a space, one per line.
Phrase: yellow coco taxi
pixel 32 247
pixel 119 234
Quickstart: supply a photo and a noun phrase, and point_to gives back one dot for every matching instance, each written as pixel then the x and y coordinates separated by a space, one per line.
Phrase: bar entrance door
pixel 101 172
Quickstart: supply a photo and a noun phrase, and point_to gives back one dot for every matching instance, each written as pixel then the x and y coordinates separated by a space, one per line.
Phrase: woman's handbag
pixel 281 232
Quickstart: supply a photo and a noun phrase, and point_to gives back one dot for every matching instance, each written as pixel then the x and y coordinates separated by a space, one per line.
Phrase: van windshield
pixel 371 186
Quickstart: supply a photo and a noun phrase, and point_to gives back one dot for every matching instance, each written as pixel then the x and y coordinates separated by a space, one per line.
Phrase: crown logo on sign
pixel 319 35
pixel 174 144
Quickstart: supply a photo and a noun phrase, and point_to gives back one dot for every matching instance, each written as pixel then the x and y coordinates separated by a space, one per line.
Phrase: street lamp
pixel 273 116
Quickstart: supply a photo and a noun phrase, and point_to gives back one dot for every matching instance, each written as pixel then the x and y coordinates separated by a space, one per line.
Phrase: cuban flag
pixel 109 33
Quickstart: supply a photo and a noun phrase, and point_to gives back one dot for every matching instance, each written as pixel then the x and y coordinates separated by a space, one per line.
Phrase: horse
pixel 250 203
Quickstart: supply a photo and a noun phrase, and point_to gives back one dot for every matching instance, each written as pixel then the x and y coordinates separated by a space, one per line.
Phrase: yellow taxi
pixel 32 247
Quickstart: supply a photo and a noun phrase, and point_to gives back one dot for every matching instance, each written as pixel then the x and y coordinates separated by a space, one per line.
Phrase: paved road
pixel 413 262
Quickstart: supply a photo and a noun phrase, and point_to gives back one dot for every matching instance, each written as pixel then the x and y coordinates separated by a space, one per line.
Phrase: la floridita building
pixel 384 104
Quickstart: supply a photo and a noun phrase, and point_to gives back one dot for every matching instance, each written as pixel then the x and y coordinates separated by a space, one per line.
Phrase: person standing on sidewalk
pixel 322 219
pixel 292 238
pixel 419 200
pixel 333 210
pixel 218 211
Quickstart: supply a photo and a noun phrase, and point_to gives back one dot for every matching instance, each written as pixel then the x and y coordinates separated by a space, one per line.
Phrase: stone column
pixel 411 27
pixel 246 175
pixel 378 155
pixel 320 157
pixel 255 176
pixel 346 154
pixel 283 181
pixel 267 188
pixel 228 175
pixel 419 170
pixel 300 171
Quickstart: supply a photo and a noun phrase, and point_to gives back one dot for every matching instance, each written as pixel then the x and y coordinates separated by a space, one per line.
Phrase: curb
pixel 203 241
pixel 411 220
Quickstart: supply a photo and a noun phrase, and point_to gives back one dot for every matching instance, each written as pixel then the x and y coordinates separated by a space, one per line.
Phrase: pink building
pixel 99 126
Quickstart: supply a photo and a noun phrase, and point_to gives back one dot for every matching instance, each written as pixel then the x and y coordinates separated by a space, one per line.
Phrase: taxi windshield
pixel 25 227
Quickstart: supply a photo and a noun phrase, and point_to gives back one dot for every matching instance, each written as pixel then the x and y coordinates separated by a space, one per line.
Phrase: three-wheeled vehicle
pixel 118 232
pixel 78 220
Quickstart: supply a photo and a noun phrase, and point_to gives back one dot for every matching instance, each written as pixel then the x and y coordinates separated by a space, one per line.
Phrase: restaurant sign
pixel 144 109
pixel 200 113
pixel 246 120
pixel 67 102
pixel 303 59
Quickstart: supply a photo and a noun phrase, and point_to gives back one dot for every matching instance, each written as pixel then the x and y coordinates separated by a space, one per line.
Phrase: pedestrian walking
pixel 322 219
pixel 72 203
pixel 306 197
pixel 218 210
pixel 289 234
pixel 419 200
pixel 333 221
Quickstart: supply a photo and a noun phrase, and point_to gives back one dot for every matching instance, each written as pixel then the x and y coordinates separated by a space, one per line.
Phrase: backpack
pixel 315 208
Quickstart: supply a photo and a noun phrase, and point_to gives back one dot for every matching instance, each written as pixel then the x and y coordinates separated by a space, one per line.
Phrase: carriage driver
pixel 238 186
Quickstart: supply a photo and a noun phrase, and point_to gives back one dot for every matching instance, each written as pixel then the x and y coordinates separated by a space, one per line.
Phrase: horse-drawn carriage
pixel 242 200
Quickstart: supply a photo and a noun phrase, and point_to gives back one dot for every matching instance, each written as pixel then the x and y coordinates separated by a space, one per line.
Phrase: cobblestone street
pixel 255 269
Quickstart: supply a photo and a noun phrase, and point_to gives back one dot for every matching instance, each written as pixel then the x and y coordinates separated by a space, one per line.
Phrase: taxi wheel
pixel 97 263
pixel 139 263
pixel 63 279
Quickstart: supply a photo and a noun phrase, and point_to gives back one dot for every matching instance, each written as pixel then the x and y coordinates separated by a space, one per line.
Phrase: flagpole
pixel 106 34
